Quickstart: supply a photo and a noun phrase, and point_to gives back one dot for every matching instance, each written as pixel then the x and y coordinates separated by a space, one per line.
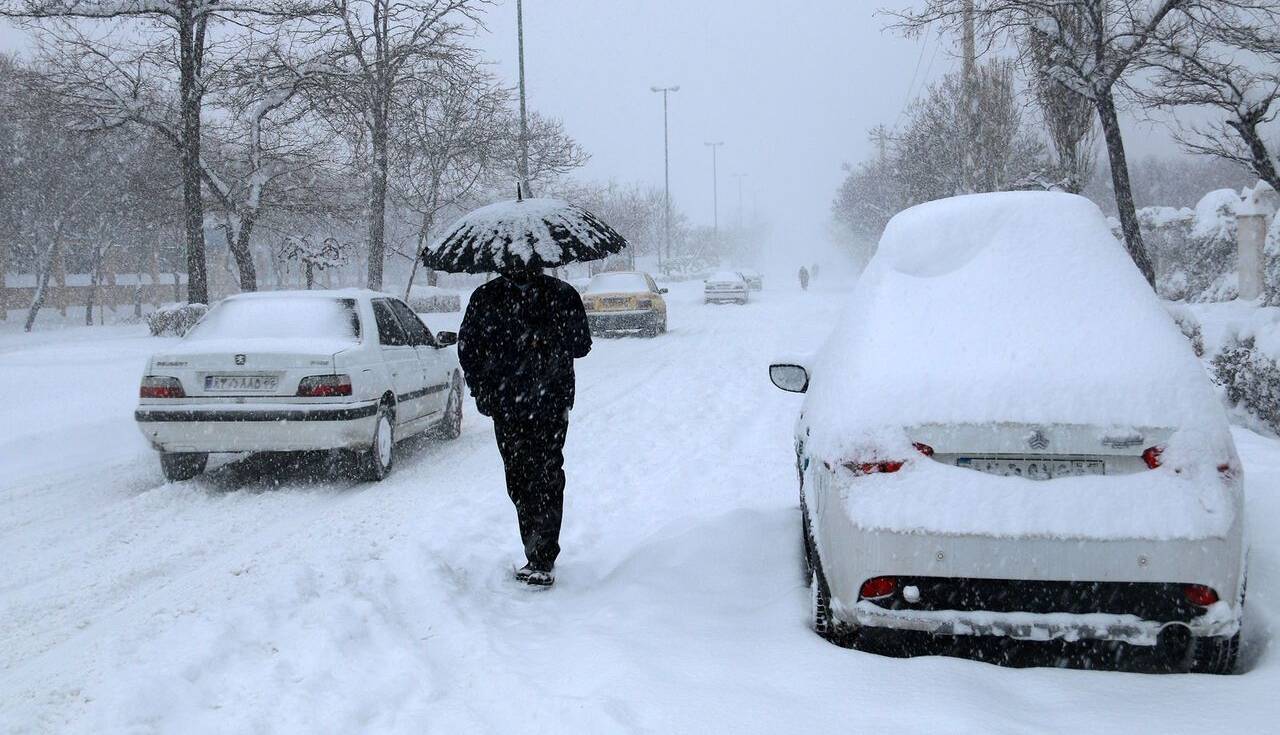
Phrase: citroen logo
pixel 1038 440
pixel 239 359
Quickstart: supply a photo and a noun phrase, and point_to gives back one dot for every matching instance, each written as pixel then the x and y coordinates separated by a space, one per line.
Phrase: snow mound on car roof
pixel 1016 306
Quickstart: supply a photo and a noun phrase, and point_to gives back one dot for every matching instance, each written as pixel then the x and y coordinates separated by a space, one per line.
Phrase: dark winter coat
pixel 517 345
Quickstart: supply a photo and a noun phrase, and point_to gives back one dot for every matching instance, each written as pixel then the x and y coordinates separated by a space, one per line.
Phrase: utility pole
pixel 739 177
pixel 666 170
pixel 968 113
pixel 715 190
pixel 881 137
pixel 523 163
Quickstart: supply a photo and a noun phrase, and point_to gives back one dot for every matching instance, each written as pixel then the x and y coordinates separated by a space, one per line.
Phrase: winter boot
pixel 535 576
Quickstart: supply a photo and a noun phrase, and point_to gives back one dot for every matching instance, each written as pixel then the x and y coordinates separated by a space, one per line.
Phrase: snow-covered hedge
pixel 1194 250
pixel 1251 380
pixel 433 300
pixel 173 320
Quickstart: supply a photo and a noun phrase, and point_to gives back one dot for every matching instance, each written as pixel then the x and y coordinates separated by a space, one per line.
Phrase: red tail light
pixel 889 465
pixel 158 386
pixel 878 587
pixel 1199 594
pixel 324 386
pixel 924 449
pixel 1151 455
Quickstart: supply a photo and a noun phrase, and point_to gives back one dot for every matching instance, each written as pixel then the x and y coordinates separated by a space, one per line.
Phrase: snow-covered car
pixel 1007 435
pixel 726 286
pixel 300 370
pixel 625 301
pixel 754 280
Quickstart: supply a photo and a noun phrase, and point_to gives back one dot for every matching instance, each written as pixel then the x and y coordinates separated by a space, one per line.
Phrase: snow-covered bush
pixel 1251 380
pixel 433 299
pixel 1190 326
pixel 173 320
pixel 1271 267
pixel 1194 251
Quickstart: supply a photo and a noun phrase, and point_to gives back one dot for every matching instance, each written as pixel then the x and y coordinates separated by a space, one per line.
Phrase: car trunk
pixel 1042 451
pixel 251 368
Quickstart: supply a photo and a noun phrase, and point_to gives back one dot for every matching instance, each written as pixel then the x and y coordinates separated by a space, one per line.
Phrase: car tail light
pixel 1151 455
pixel 884 466
pixel 325 386
pixel 1199 594
pixel 878 587
pixel 158 386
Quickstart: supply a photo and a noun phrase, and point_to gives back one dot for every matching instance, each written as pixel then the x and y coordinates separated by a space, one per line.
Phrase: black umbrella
pixel 534 233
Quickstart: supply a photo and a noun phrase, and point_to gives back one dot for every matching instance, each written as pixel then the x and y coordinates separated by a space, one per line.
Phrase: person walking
pixel 804 278
pixel 519 338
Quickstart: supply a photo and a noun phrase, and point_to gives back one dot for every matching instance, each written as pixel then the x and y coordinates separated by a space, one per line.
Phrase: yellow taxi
pixel 625 301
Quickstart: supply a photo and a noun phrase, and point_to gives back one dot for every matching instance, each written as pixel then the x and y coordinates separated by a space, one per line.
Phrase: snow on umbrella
pixel 535 233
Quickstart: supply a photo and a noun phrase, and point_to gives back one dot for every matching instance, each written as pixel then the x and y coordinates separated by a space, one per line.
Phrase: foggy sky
pixel 791 89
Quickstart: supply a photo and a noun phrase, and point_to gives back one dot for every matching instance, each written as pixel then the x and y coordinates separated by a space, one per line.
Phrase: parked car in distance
pixel 726 286
pixel 348 370
pixel 1008 436
pixel 623 301
pixel 754 280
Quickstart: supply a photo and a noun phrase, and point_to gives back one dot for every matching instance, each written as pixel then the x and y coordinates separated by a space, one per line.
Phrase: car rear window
pixel 618 283
pixel 283 317
pixel 725 277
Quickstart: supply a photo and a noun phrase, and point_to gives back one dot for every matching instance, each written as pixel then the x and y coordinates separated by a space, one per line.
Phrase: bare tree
pixel 186 24
pixel 262 150
pixel 1068 116
pixel 1092 45
pixel 377 55
pixel 1227 58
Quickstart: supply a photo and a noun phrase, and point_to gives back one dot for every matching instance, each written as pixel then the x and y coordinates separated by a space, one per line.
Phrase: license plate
pixel 617 302
pixel 241 383
pixel 1035 469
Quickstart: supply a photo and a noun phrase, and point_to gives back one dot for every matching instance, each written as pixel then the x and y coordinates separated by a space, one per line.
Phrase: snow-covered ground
pixel 252 600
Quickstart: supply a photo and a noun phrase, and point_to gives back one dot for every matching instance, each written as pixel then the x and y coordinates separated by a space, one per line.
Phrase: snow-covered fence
pixel 113 290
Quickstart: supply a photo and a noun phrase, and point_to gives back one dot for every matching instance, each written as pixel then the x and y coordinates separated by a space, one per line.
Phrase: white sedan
pixel 726 286
pixel 1008 436
pixel 300 370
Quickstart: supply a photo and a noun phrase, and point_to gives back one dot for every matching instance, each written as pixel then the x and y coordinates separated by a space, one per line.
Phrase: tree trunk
pixel 238 245
pixel 378 203
pixel 191 40
pixel 42 288
pixel 1123 191
pixel 1262 162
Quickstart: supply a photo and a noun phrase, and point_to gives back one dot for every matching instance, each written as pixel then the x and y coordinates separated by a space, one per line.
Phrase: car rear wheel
pixel 1217 655
pixel 824 621
pixel 451 425
pixel 179 466
pixel 376 461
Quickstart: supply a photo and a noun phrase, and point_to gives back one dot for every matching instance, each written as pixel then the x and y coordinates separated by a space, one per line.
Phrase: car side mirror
pixel 791 378
pixel 445 339
pixel 663 290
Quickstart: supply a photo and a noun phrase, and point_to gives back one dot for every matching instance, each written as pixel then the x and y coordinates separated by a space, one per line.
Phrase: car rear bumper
pixel 736 295
pixel 603 321
pixel 257 428
pixel 968 571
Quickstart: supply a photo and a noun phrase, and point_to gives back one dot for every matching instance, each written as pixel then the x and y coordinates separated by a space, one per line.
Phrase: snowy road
pixel 249 601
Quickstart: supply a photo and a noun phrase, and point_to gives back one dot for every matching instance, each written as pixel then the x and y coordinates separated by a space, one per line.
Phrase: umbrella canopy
pixel 534 233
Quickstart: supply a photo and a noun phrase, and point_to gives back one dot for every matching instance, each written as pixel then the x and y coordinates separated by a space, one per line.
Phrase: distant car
pixel 726 286
pixel 625 301
pixel 1008 436
pixel 300 370
pixel 753 278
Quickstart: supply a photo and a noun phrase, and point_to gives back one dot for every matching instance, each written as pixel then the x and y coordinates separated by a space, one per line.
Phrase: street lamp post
pixel 523 163
pixel 666 171
pixel 715 190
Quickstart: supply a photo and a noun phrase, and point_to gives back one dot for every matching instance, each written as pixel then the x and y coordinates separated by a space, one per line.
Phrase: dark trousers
pixel 532 448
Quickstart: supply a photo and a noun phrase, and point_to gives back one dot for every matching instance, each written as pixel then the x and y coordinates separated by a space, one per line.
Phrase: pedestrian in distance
pixel 804 278
pixel 519 338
